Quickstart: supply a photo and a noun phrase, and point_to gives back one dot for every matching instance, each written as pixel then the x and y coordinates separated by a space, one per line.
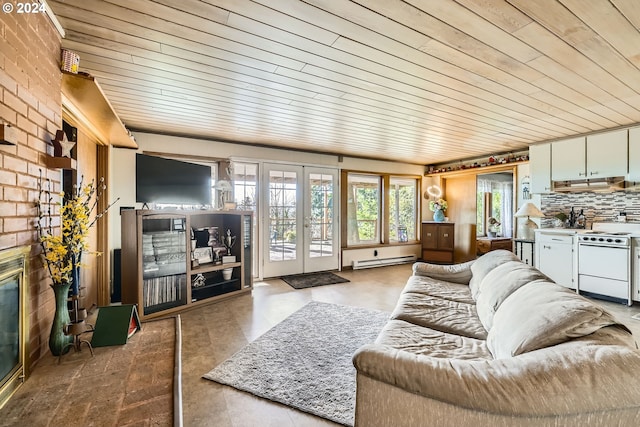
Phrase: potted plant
pixel 438 207
pixel 62 244
pixel 494 227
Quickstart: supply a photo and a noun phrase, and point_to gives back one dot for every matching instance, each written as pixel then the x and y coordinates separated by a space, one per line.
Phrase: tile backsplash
pixel 598 207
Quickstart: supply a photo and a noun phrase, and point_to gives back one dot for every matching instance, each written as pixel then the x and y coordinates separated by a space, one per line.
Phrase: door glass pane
pixel 282 215
pixel 321 219
pixel 363 209
pixel 402 209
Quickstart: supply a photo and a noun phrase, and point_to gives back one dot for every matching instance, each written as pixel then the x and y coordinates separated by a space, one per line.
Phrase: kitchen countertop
pixel 632 228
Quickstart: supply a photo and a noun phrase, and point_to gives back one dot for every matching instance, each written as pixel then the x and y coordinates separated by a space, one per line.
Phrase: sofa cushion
pixel 485 264
pixel 455 273
pixel 438 288
pixel 499 283
pixel 542 314
pixel 416 339
pixel 444 315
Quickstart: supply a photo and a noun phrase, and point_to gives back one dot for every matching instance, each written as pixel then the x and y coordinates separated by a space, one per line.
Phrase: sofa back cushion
pixel 499 283
pixel 483 265
pixel 541 314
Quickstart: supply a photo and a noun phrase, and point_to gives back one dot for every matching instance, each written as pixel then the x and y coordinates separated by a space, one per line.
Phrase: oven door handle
pixel 603 245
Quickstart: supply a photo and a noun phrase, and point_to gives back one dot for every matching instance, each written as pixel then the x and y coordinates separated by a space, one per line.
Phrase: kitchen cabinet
pixel 438 241
pixel 635 268
pixel 540 168
pixel 555 257
pixel 607 154
pixel 568 159
pixel 601 155
pixel 634 155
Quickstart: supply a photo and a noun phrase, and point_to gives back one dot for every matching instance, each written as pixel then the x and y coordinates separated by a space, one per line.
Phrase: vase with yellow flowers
pixel 62 247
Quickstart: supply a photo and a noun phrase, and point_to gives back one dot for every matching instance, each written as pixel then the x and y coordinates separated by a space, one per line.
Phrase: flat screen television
pixel 160 180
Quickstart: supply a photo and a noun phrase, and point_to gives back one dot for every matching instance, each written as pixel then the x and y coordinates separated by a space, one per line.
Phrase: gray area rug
pixel 305 361
pixel 309 280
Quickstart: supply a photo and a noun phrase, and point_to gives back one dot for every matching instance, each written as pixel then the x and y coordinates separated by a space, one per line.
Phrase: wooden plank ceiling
pixel 419 81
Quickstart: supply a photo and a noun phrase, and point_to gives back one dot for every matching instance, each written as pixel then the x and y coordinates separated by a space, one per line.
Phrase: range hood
pixel 603 185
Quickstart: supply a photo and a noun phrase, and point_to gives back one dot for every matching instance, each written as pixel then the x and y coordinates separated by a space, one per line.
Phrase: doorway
pixel 301 229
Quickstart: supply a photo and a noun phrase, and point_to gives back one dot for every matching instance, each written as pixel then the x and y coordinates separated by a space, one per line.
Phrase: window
pixel 402 209
pixel 363 209
pixel 380 208
pixel 245 182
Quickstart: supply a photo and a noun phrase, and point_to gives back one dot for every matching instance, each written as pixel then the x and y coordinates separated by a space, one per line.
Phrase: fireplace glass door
pixel 12 339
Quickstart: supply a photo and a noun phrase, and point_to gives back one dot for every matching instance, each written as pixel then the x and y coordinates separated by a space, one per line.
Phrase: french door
pixel 301 228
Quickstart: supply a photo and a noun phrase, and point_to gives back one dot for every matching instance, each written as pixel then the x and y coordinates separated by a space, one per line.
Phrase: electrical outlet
pixel 375 252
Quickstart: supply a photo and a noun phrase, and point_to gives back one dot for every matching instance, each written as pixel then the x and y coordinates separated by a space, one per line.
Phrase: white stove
pixel 604 261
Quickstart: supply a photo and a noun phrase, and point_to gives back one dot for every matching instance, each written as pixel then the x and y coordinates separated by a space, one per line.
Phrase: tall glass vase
pixel 58 340
pixel 438 215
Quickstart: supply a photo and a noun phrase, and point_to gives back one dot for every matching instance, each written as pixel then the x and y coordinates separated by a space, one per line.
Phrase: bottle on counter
pixel 572 218
pixel 581 221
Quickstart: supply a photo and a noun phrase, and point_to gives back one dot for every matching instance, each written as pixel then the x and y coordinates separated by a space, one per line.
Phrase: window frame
pixel 384 208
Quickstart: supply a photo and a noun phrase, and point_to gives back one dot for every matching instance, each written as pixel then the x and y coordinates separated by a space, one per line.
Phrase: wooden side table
pixel 486 244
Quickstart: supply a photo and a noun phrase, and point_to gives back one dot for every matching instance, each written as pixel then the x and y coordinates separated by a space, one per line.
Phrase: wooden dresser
pixel 438 242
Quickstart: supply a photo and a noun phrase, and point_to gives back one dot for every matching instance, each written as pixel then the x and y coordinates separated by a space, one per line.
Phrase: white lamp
pixel 525 231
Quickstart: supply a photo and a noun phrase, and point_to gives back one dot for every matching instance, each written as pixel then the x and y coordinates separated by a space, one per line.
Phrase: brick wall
pixel 30 100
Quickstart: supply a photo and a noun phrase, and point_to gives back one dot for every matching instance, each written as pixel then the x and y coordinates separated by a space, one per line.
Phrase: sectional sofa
pixel 493 342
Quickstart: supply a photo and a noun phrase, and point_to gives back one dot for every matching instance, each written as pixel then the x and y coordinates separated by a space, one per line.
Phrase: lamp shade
pixel 529 210
pixel 526 228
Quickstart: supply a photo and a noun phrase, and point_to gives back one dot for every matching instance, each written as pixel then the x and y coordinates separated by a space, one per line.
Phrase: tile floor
pixel 210 334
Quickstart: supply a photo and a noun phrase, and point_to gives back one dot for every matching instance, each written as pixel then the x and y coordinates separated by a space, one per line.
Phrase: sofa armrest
pixel 456 273
pixel 581 379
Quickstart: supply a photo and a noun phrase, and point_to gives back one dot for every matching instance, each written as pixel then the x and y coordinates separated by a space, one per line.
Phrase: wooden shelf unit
pixel 157 271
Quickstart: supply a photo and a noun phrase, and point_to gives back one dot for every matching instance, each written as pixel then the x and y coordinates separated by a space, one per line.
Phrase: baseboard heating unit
pixel 380 262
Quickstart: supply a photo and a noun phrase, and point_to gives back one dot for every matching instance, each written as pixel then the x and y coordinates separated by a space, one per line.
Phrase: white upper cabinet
pixel 603 155
pixel 540 168
pixel 607 154
pixel 569 159
pixel 634 154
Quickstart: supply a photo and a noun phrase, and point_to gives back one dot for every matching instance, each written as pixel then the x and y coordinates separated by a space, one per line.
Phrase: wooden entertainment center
pixel 158 272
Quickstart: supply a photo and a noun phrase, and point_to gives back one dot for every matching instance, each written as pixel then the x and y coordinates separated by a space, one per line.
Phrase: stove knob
pixel 601 239
pixel 618 240
pixel 610 240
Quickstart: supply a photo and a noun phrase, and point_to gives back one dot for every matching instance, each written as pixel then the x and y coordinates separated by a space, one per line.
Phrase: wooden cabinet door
pixel 568 159
pixel 607 154
pixel 430 236
pixel 540 168
pixel 445 237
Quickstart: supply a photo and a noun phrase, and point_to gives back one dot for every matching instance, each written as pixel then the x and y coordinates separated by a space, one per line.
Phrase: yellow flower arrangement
pixel 61 252
pixel 440 204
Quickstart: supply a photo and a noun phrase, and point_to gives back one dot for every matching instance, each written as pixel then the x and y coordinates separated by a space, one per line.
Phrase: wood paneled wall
pixel 460 193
